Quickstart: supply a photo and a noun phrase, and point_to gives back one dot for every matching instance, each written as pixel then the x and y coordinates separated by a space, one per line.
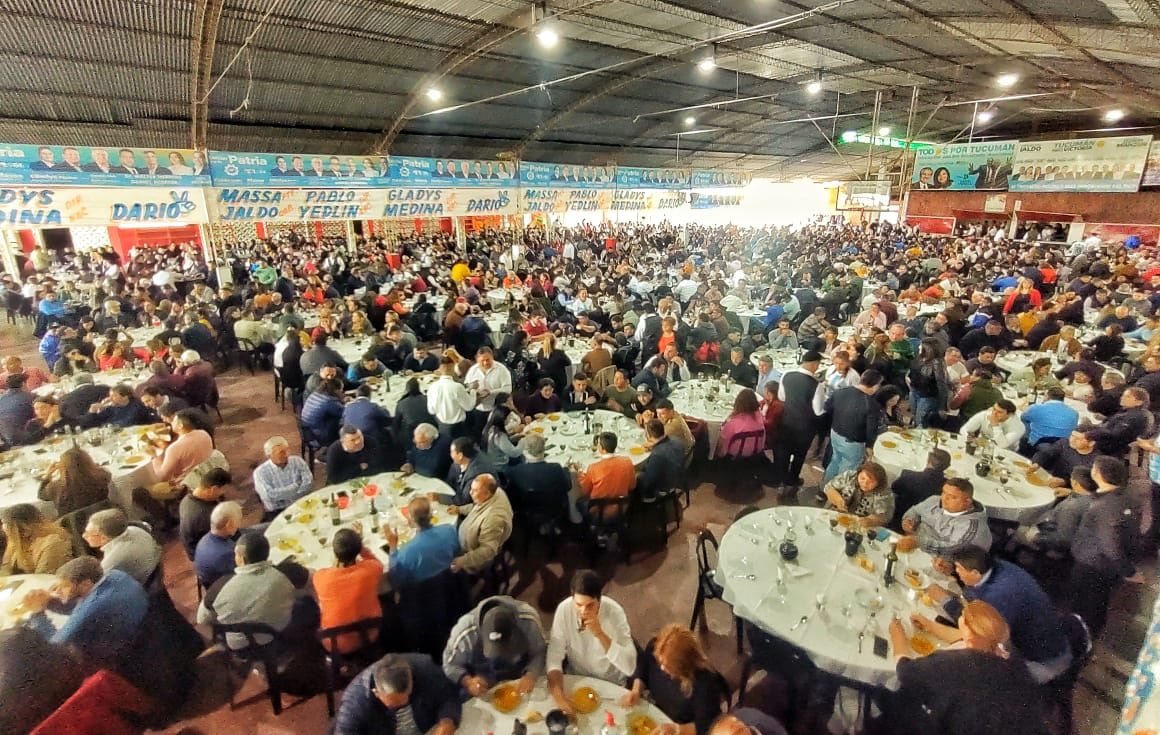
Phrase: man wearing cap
pixel 353 455
pixel 500 640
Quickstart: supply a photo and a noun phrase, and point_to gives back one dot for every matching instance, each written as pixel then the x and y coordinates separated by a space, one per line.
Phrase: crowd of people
pixel 886 327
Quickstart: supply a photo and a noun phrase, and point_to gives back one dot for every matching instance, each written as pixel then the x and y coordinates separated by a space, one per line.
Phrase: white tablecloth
pixel 567 442
pixel 499 296
pixel 694 398
pixel 829 636
pixel 304 530
pixel 12 592
pixel 129 376
pixel 388 391
pixel 1022 500
pixel 124 453
pixel 481 717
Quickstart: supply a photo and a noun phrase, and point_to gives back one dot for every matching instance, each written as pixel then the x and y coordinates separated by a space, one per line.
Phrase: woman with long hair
pixel 553 362
pixel 745 418
pixel 36 545
pixel 864 492
pixel 496 443
pixel 462 364
pixel 1025 297
pixel 677 673
pixel 981 687
pixel 929 386
pixel 74 481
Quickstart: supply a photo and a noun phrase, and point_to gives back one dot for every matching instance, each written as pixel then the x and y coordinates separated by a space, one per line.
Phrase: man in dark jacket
pixel 401 693
pixel 804 396
pixel 992 334
pixel 662 470
pixel 912 487
pixel 539 487
pixel 1115 436
pixel 466 464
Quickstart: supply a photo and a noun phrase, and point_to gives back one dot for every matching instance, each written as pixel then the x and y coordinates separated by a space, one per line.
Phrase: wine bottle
pixel 335 512
pixel 891 563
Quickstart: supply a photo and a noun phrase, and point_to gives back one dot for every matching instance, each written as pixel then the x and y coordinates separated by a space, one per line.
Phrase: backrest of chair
pixel 250 631
pixel 603 378
pixel 608 513
pixel 746 443
pixel 246 344
pixel 75 523
pixel 707 547
pixel 1079 638
pixel 364 628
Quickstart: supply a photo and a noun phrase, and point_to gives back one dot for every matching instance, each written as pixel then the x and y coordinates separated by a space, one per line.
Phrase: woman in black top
pixel 553 362
pixel 683 685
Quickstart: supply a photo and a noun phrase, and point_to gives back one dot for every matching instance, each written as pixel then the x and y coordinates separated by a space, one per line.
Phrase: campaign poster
pixel 566 176
pixel 296 170
pixel 705 179
pixel 1152 167
pixel 964 166
pixel 546 200
pixel 631 177
pixel 232 204
pixel 1083 164
pixel 700 200
pixel 452 173
pixel 36 207
pixel 68 165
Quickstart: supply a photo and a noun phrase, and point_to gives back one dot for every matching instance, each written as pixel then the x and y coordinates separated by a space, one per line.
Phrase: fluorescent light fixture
pixel 434 93
pixel 706 64
pixel 849 136
pixel 1007 80
pixel 986 116
pixel 884 130
pixel 547 37
pixel 690 120
pixel 1114 115
pixel 814 87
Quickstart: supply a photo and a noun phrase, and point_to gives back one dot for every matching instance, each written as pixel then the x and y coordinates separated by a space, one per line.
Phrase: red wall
pixel 1139 208
pixel 124 239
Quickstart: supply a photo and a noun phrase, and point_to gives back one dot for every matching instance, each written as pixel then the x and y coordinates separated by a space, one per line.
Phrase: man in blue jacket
pixel 401 693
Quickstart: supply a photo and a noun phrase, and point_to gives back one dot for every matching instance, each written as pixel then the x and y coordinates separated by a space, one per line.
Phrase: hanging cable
pixel 237 55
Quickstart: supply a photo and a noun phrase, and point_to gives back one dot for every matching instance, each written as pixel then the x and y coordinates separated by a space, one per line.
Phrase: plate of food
pixel 637 451
pixel 538 429
pixel 915 579
pixel 304 518
pixel 506 697
pixel 1033 478
pixel 641 724
pixel 922 645
pixel 135 459
pixel 585 700
pixel 889 444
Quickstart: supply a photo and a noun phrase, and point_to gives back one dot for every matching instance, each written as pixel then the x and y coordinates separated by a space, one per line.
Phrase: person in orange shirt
pixel 349 592
pixel 610 476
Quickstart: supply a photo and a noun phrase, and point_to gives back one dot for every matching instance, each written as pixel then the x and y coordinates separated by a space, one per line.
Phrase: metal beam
pixel 207 15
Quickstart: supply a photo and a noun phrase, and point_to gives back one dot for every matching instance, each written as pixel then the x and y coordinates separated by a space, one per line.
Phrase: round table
pixel 749 567
pixel 480 716
pixel 127 375
pixel 499 296
pixel 1022 500
pixel 125 453
pixel 567 442
pixel 351 349
pixel 387 392
pixel 12 592
pixel 694 398
pixel 1020 360
pixel 304 530
pixel 1021 395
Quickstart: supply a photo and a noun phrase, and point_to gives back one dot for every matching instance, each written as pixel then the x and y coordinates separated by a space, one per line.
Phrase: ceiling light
pixel 814 87
pixel 434 93
pixel 690 120
pixel 986 116
pixel 884 130
pixel 547 37
pixel 1115 115
pixel 706 64
pixel 1006 80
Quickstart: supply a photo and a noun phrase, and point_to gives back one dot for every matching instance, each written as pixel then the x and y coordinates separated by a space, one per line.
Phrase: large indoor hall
pixel 579 367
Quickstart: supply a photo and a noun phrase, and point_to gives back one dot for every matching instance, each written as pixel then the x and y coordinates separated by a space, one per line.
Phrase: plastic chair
pixel 776 656
pixel 339 665
pixel 707 586
pixel 608 519
pixel 254 653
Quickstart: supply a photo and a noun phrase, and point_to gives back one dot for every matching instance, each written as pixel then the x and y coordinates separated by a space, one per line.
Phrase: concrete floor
pixel 656 589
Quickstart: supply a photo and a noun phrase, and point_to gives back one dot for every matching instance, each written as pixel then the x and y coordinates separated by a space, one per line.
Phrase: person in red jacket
pixel 1025 297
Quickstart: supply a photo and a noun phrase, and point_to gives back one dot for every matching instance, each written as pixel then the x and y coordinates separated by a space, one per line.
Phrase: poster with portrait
pixel 964 166
pixel 631 177
pixel 705 179
pixel 296 170
pixel 566 176
pixel 67 165
pixel 451 173
pixel 1152 167
pixel 1082 164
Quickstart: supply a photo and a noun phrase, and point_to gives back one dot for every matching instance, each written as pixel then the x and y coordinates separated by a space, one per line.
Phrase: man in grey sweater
pixel 128 548
pixel 944 525
pixel 257 592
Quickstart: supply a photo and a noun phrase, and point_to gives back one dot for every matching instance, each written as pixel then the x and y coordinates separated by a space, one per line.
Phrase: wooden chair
pixel 608 521
pixel 707 586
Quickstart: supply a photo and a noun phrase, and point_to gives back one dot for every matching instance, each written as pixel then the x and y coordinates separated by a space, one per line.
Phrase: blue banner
pixel 965 166
pixel 629 177
pixel 452 173
pixel 567 176
pixel 64 165
pixel 713 201
pixel 296 170
pixel 703 179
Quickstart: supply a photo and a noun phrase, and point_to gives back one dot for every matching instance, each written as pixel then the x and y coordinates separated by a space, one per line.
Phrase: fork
pixel 801 621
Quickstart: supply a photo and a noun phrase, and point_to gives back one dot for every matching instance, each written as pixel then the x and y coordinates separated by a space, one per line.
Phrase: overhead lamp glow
pixel 986 116
pixel 434 94
pixel 1115 115
pixel 1006 80
pixel 884 130
pixel 547 37
pixel 707 64
pixel 690 120
pixel 814 87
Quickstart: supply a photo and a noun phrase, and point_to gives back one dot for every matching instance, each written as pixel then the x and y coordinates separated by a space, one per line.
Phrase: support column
pixel 460 235
pixel 9 240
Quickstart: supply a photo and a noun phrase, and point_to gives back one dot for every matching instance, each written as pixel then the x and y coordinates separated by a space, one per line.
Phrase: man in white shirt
pixel 487 377
pixel 592 633
pixel 840 374
pixel 686 289
pixel 581 304
pixel 1001 425
pixel 871 318
pixel 449 401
